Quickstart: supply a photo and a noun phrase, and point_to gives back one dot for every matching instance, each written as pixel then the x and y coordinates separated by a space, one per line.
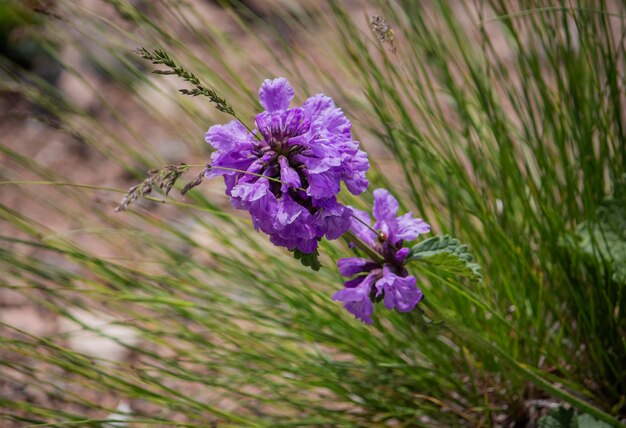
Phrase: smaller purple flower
pixel 386 278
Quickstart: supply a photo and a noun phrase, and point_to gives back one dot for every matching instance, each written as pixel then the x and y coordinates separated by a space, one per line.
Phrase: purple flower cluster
pixel 287 172
pixel 385 278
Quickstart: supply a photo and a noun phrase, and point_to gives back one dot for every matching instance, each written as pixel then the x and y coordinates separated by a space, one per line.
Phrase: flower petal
pixel 251 192
pixel 361 230
pixel 275 95
pixel 362 310
pixel 288 175
pixel 294 122
pixel 234 149
pixel 227 137
pixel 401 255
pixel 323 185
pixel 231 162
pixel 316 105
pixel 288 210
pixel 385 206
pixel 307 246
pixel 355 176
pixel 353 265
pixel 401 293
pixel 409 228
pixel 354 282
pixel 333 218
pixel 357 299
pixel 292 226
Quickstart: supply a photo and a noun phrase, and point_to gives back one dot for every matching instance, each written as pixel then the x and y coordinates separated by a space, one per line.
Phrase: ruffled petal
pixel 294 122
pixel 401 293
pixel 401 255
pixel 231 162
pixel 292 226
pixel 335 122
pixel 385 206
pixel 298 235
pixel 275 95
pixel 361 230
pixel 307 246
pixel 361 309
pixel 409 228
pixel 317 160
pixel 227 137
pixel 288 175
pixel 357 299
pixel 354 282
pixel 353 265
pixel 269 125
pixel 288 211
pixel 324 185
pixel 355 177
pixel 251 192
pixel 333 218
pixel 316 105
pixel 234 149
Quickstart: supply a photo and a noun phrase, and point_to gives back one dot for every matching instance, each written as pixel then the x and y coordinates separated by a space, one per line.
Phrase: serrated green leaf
pixel 308 260
pixel 566 418
pixel 446 253
pixel 588 421
pixel 604 240
pixel 559 418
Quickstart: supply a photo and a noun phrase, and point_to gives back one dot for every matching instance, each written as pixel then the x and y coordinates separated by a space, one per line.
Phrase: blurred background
pixel 501 123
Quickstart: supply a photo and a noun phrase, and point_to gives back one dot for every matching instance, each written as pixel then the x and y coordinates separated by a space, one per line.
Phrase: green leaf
pixel 588 421
pixel 566 418
pixel 309 260
pixel 447 254
pixel 604 240
pixel 559 418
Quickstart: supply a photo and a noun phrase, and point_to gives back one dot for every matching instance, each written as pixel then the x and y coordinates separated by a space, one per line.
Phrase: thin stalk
pixel 530 12
pixel 379 234
pixel 112 189
pixel 253 173
pixel 256 135
pixel 351 237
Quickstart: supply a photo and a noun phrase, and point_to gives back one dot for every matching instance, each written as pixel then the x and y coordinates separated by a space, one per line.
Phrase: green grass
pixel 503 127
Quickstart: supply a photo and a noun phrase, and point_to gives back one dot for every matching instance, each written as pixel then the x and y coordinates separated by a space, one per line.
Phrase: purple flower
pixel 288 171
pixel 385 278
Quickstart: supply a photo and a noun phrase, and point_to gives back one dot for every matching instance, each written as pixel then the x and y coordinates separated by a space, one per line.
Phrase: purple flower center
pixel 278 128
pixel 279 149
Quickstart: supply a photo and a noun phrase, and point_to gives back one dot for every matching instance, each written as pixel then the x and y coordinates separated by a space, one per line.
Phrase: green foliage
pixel 446 254
pixel 603 240
pixel 567 418
pixel 559 418
pixel 309 260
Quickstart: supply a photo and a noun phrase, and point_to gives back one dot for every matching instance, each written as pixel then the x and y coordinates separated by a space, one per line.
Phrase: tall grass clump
pixel 500 123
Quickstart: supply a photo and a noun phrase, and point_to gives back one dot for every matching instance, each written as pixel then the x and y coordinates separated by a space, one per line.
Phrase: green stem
pixel 351 237
pixel 379 234
pixel 248 128
pixel 112 189
pixel 63 183
pixel 530 12
pixel 253 173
